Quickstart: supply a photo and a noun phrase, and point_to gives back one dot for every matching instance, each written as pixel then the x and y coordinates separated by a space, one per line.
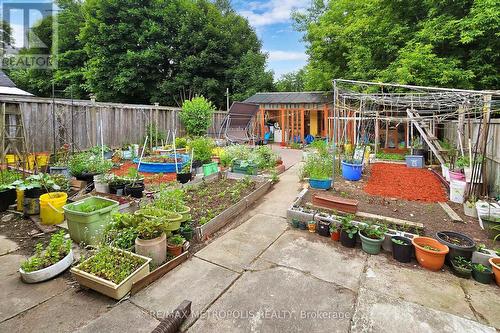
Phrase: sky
pixel 273 24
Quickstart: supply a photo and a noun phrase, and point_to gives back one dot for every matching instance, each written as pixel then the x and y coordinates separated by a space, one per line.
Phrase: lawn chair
pixel 236 126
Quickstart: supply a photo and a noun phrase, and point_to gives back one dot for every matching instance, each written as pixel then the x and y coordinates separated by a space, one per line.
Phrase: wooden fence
pixel 78 122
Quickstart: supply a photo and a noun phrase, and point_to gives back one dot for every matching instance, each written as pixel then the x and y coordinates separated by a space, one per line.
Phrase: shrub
pixel 317 167
pixel 196 115
pixel 88 163
pixel 202 149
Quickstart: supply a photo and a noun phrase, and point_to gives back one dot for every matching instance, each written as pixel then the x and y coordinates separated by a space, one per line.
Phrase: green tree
pixel 196 115
pixel 293 81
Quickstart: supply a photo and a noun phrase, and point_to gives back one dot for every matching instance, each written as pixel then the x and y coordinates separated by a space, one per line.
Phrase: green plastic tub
pixel 88 218
pixel 210 168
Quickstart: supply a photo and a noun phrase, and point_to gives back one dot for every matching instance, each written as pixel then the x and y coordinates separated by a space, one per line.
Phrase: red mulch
pixel 149 178
pixel 399 181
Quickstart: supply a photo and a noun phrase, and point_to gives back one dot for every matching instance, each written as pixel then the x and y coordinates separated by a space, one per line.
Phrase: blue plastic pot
pixel 320 184
pixel 351 171
pixel 163 167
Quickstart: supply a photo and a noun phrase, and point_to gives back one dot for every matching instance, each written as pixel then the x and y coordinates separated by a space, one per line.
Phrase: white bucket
pixel 457 191
pixel 477 174
pixel 445 171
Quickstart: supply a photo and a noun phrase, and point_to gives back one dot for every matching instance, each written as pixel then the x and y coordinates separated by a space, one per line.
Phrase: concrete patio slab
pixel 7 246
pixel 196 280
pixel 258 302
pixel 485 300
pixel 123 318
pixel 239 247
pixel 376 312
pixel 17 296
pixel 63 313
pixel 319 256
pixel 438 290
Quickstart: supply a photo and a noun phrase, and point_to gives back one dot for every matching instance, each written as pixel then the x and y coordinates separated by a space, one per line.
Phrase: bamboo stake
pixel 142 153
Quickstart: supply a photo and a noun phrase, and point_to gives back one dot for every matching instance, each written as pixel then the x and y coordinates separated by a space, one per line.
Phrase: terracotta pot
pixel 152 248
pixel 335 235
pixel 175 250
pixel 495 265
pixel 428 259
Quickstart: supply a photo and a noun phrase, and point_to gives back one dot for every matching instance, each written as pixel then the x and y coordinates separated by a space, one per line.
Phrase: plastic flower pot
pixel 320 184
pixel 88 178
pixel 185 212
pixel 135 191
pixel 414 161
pixel 7 198
pixel 456 250
pixel 495 265
pixel 346 241
pixel 302 225
pixel 187 235
pixel 470 210
pixel 335 235
pixel 295 223
pixel 311 226
pixel 370 245
pixel 47 273
pixel 402 252
pixel 184 178
pixel 117 189
pixel 428 258
pixel 156 248
pixel 483 258
pixel 461 271
pixel 456 175
pixel 210 168
pixel 351 171
pixel 485 276
pixel 323 228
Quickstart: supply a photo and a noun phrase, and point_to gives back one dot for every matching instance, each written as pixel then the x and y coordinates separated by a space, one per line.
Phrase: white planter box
pixel 48 272
pixel 483 258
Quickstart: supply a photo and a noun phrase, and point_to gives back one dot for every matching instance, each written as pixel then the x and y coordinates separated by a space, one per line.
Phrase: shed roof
pixel 317 97
pixel 5 81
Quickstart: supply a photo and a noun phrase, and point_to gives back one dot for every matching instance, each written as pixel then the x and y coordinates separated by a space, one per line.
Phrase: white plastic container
pixel 457 191
pixel 48 272
pixel 445 172
pixel 485 208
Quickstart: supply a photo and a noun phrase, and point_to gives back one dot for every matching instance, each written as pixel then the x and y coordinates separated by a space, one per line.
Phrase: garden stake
pixel 142 153
pixel 175 152
pixel 191 166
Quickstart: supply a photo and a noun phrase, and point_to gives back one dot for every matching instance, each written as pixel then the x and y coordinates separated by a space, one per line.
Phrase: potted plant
pixel 60 165
pixel 186 231
pixel 470 206
pixel 101 182
pixel 202 150
pixel 334 232
pixel 457 171
pixel 174 245
pixel 495 264
pixel 459 244
pixel 33 187
pixel 117 185
pixel 417 147
pixel 173 200
pixel 482 255
pixel 323 228
pixel 151 240
pixel 482 273
pixel 111 271
pixel 348 232
pixel 402 249
pixel 351 169
pixel 372 236
pixel 462 267
pixel 302 225
pixel 430 253
pixel 49 262
pixel 135 186
pixel 311 226
pixel 7 189
pixel 295 223
pixel 318 169
pixel 185 175
pixel 84 166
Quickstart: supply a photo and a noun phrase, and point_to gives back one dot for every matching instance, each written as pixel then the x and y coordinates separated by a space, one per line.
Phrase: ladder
pixel 429 137
pixel 13 135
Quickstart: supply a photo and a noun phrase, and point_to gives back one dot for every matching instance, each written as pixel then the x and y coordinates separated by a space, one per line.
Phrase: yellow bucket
pixel 10 159
pixel 20 200
pixel 42 159
pixel 51 204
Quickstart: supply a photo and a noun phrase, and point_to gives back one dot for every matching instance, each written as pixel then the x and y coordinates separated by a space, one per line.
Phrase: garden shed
pixel 292 116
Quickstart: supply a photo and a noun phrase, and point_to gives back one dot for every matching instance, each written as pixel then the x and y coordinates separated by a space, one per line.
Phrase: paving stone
pixel 123 318
pixel 18 296
pixel 279 299
pixel 196 280
pixel 239 247
pixel 376 312
pixel 485 299
pixel 323 258
pixel 437 290
pixel 7 246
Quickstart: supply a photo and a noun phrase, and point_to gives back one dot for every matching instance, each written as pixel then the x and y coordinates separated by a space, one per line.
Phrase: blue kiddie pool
pixel 351 171
pixel 154 167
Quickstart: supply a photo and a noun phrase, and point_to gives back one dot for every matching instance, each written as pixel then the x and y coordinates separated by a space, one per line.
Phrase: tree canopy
pixel 451 43
pixel 150 51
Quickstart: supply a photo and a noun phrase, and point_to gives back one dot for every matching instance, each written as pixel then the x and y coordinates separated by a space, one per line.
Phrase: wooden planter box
pixel 336 203
pixel 108 288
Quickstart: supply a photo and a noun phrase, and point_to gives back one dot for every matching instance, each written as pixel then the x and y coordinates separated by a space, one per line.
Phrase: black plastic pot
pixel 419 152
pixel 34 193
pixel 482 277
pixel 456 250
pixel 135 191
pixel 402 253
pixel 115 188
pixel 188 235
pixel 302 225
pixel 460 271
pixel 89 178
pixel 346 241
pixel 323 228
pixel 197 164
pixel 184 178
pixel 7 198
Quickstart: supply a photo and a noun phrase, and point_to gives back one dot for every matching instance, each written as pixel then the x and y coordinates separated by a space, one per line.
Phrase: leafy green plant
pixel 295 145
pixel 56 250
pixel 97 150
pixel 7 179
pixel 202 149
pixel 181 143
pixel 321 146
pixel 462 161
pixel 170 199
pixel 481 248
pixel 390 156
pixel 430 248
pixel 462 262
pixel 42 181
pixel 196 115
pixel 111 264
pixel 398 241
pixel 234 152
pixel 155 134
pixel 149 229
pixel 176 240
pixel 88 163
pixel 373 231
pixel 317 167
pixel 348 227
pixel 481 268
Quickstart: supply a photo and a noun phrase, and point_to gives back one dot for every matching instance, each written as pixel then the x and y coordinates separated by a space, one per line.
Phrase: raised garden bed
pixel 215 201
